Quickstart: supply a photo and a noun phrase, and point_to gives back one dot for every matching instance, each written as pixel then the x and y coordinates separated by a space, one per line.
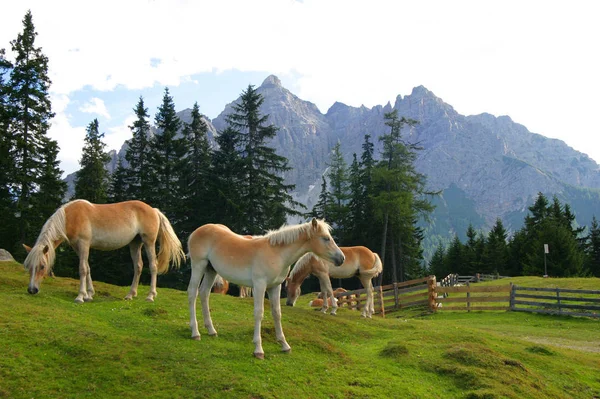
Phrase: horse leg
pixel 274 298
pixel 369 307
pixel 197 273
pixel 135 250
pixel 327 291
pixel 83 251
pixel 207 282
pixel 149 245
pixel 90 286
pixel 259 304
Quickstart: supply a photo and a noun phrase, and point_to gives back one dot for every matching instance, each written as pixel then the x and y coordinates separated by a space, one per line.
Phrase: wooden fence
pixel 444 297
pixel 554 301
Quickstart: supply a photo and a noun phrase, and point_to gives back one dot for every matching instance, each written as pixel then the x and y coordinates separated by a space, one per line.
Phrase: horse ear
pixel 46 249
pixel 314 223
pixel 27 248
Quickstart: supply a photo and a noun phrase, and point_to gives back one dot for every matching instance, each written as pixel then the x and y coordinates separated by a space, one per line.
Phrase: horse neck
pixel 291 252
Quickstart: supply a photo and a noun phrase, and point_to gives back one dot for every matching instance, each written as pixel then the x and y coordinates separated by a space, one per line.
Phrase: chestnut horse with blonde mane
pixel 360 262
pixel 106 227
pixel 261 263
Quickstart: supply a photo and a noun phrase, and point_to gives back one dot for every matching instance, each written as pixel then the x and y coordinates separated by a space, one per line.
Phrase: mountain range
pixel 485 167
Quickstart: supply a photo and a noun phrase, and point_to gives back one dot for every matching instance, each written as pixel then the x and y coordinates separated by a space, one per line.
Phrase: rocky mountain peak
pixel 270 81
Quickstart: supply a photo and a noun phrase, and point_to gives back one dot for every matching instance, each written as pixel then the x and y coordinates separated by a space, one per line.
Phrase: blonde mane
pixel 54 229
pixel 289 234
pixel 301 265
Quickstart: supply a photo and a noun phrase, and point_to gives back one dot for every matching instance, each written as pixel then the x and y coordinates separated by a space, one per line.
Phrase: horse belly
pixel 111 240
pixel 343 271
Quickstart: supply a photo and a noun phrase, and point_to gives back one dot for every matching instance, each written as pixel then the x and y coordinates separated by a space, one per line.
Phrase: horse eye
pixel 42 267
pixel 326 239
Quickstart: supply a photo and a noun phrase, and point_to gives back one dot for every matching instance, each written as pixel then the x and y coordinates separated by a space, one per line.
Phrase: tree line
pixel 549 243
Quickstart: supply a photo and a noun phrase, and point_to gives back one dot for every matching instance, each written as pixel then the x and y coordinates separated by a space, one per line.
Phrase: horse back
pixel 217 238
pixel 362 257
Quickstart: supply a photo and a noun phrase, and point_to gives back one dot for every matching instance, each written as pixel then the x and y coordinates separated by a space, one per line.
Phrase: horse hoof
pixel 149 299
pixel 78 300
pixel 287 350
pixel 89 299
pixel 212 334
pixel 196 338
pixel 260 356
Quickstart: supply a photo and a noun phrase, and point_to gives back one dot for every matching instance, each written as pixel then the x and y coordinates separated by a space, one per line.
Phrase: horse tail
pixel 377 266
pixel 170 246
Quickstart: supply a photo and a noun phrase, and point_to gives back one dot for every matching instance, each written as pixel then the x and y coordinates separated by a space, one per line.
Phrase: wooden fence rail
pixel 584 304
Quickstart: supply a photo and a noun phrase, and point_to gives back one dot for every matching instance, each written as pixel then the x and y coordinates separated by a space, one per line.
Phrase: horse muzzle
pixel 33 290
pixel 338 260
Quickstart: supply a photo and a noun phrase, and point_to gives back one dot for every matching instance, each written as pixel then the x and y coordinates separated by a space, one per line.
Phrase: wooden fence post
pixel 513 289
pixel 396 297
pixel 431 286
pixel 558 300
pixel 469 295
pixel 381 301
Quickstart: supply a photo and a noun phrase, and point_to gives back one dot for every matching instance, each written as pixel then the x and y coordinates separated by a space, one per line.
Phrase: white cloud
pixel 69 138
pixel 95 106
pixel 116 136
pixel 535 61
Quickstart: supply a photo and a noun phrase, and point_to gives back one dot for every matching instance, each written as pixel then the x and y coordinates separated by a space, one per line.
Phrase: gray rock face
pixel 495 164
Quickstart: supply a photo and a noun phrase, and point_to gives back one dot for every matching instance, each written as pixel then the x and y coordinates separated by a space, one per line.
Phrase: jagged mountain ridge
pixel 485 166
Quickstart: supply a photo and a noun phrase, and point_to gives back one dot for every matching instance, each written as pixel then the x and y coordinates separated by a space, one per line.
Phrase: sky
pixel 535 61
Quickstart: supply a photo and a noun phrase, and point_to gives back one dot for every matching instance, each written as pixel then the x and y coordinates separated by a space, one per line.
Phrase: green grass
pixel 51 347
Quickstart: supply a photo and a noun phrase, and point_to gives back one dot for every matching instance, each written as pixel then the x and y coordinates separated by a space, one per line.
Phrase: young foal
pixel 360 262
pixel 261 263
pixel 84 225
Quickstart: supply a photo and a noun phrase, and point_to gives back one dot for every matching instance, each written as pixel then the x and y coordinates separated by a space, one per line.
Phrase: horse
pixel 360 262
pixel 261 263
pixel 221 286
pixel 106 227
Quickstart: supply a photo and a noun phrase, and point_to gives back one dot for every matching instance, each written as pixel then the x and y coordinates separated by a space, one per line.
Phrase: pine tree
pixel 267 201
pixel 30 115
pixel 7 203
pixel 593 248
pixel 166 153
pixel 321 208
pixel 399 196
pixel 496 250
pixel 195 171
pixel 117 189
pixel 339 192
pixel 91 181
pixel 52 189
pixel 437 264
pixel 226 180
pixel 138 177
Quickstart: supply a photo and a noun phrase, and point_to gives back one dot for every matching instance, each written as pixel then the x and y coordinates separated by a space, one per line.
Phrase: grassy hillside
pixel 51 347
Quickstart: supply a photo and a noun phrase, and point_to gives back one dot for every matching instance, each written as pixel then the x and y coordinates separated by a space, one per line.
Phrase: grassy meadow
pixel 51 347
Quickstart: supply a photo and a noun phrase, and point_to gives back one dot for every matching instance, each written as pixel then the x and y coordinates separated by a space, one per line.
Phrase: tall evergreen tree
pixel 91 181
pixel 321 208
pixel 166 153
pixel 399 196
pixel 7 202
pixel 593 248
pixel 117 188
pixel 339 191
pixel 30 115
pixel 226 179
pixel 51 188
pixel 138 176
pixel 267 201
pixel 195 174
pixel 496 250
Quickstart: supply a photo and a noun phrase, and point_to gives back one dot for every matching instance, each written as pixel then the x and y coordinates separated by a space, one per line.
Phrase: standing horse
pixel 360 262
pixel 261 263
pixel 106 227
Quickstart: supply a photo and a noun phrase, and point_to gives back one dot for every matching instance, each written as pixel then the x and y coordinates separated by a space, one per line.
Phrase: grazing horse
pixel 360 262
pixel 106 227
pixel 221 286
pixel 261 263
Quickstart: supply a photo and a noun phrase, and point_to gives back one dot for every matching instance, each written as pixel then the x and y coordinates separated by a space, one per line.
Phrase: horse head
pixel 38 263
pixel 293 291
pixel 323 245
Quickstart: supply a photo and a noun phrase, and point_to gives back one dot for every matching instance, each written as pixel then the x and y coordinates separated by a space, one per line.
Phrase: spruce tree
pixel 593 248
pixel 91 181
pixel 7 203
pixel 339 191
pixel 138 175
pixel 52 189
pixel 30 115
pixel 166 153
pixel 496 250
pixel 321 209
pixel 195 170
pixel 266 199
pixel 117 189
